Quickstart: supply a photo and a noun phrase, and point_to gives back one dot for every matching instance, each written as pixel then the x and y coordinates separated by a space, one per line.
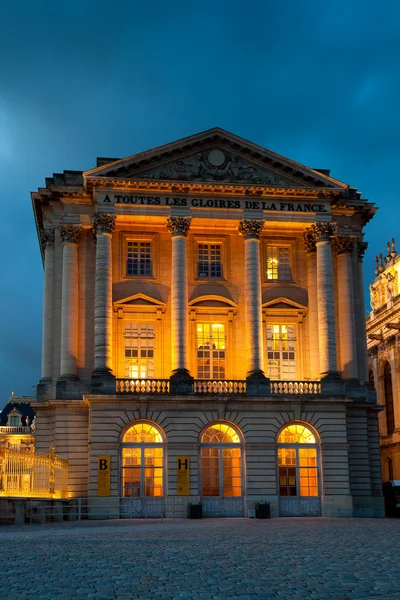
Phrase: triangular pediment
pixel 139 300
pixel 214 156
pixel 283 303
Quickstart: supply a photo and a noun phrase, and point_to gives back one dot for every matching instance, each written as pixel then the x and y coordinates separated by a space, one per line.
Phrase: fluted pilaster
pixel 361 337
pixel 70 235
pixel 103 228
pixel 47 240
pixel 326 306
pixel 251 229
pixel 343 245
pixel 179 229
pixel 311 252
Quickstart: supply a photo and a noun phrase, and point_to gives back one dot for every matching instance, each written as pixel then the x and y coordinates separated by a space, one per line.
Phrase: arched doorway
pixel 142 470
pixel 221 457
pixel 298 471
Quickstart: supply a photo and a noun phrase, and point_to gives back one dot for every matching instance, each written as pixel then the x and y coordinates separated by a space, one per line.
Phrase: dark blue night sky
pixel 318 82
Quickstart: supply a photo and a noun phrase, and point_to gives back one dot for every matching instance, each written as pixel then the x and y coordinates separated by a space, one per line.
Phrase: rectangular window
pixel 211 351
pixel 281 352
pixel 209 260
pixel 139 344
pixel 278 263
pixel 138 258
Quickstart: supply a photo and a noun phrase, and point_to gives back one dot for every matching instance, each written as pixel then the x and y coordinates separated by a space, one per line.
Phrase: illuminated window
pixel 281 352
pixel 139 341
pixel 142 462
pixel 278 263
pixel 209 260
pixel 14 421
pixel 138 259
pixel 221 462
pixel 297 461
pixel 211 351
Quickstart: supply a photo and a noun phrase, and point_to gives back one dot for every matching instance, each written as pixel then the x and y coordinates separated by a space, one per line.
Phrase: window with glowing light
pixel 211 350
pixel 221 462
pixel 297 461
pixel 139 342
pixel 281 352
pixel 278 263
pixel 209 260
pixel 142 462
pixel 138 258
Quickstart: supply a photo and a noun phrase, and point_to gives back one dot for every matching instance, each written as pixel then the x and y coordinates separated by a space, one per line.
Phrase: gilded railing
pixel 225 386
pixel 27 474
pixel 295 387
pixel 15 429
pixel 142 386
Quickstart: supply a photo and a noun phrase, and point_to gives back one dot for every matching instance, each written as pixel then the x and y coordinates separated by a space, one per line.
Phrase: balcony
pixel 15 429
pixel 224 387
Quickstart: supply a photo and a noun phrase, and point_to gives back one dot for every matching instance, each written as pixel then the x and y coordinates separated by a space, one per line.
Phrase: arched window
pixel 297 461
pixel 387 380
pixel 221 461
pixel 143 461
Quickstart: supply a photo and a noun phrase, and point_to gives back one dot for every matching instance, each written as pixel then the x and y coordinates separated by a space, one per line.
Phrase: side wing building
pixel 204 312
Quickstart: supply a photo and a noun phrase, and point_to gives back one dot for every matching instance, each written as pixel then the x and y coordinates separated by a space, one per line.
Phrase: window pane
pixel 211 350
pixel 278 263
pixel 281 352
pixel 139 340
pixel 209 263
pixel 138 260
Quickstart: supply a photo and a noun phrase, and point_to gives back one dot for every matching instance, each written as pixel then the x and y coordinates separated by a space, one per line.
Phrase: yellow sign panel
pixel 103 475
pixel 183 475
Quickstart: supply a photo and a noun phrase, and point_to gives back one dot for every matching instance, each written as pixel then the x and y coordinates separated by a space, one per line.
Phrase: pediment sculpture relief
pixel 214 165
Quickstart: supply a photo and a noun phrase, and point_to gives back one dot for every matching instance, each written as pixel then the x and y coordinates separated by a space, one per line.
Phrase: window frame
pixel 134 236
pixel 209 240
pixel 280 242
pixel 270 323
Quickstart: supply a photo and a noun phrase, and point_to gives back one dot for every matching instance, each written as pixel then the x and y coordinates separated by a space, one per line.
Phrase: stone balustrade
pixel 295 387
pixel 142 386
pixel 202 386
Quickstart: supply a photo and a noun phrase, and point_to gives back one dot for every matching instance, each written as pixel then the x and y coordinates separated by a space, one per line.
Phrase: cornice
pixel 223 189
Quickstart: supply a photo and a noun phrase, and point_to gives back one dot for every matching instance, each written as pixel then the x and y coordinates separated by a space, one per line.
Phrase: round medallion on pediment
pixel 216 157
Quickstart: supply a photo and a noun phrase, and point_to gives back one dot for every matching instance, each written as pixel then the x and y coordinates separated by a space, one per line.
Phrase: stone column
pixel 70 235
pixel 250 230
pixel 326 304
pixel 344 245
pixel 361 336
pixel 312 314
pixel 181 380
pixel 47 239
pixel 103 228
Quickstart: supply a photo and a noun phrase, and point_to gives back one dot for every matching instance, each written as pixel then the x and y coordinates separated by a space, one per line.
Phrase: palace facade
pixel 383 331
pixel 204 333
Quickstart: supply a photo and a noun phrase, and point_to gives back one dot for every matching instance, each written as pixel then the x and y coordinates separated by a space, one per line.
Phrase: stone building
pixel 204 333
pixel 383 332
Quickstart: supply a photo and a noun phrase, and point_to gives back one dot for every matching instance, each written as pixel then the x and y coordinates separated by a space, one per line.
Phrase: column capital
pixel 309 241
pixel 361 248
pixel 103 223
pixel 323 231
pixel 70 234
pixel 178 226
pixel 343 244
pixel 46 238
pixel 251 228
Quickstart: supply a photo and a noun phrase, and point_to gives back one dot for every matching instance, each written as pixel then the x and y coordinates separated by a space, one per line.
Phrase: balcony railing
pixel 225 386
pixel 15 429
pixel 142 386
pixel 279 388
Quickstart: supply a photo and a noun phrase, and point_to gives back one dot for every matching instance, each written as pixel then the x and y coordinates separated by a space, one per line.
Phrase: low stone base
pixel 257 384
pixel 337 506
pixel 69 388
pixel 103 382
pixel 181 382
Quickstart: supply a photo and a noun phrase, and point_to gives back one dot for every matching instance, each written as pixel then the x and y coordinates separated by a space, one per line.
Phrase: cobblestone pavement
pixel 210 559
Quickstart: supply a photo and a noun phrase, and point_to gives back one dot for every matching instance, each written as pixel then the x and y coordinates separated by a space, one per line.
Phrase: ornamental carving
pixel 251 228
pixel 361 248
pixel 70 234
pixel 323 231
pixel 215 164
pixel 343 244
pixel 309 241
pixel 47 238
pixel 103 223
pixel 178 226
